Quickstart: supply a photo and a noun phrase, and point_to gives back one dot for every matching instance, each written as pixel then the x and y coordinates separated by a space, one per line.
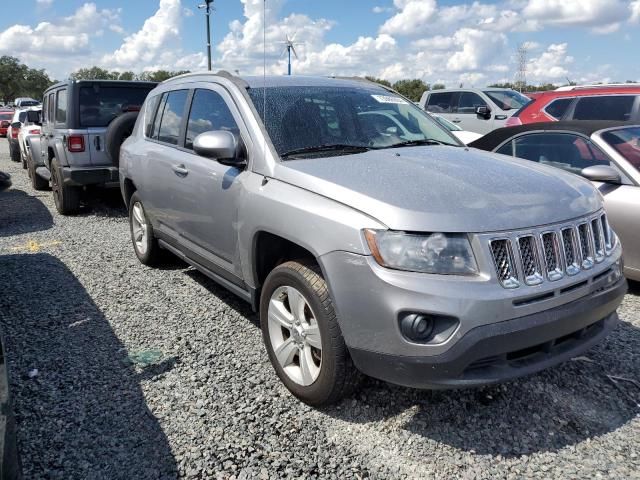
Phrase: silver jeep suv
pixel 408 258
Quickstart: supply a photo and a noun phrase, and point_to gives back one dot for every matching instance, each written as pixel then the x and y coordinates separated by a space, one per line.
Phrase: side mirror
pixel 601 173
pixel 16 124
pixel 219 145
pixel 483 111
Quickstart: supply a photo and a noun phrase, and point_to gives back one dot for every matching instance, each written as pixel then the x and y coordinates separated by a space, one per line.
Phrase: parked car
pixel 474 110
pixel 419 262
pixel 84 124
pixel 5 121
pixel 608 153
pixel 462 135
pixel 22 102
pixel 13 130
pixel 592 102
pixel 29 127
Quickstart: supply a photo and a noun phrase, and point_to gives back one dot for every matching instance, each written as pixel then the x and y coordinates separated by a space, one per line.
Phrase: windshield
pixel 307 118
pixel 507 99
pixel 101 104
pixel 626 141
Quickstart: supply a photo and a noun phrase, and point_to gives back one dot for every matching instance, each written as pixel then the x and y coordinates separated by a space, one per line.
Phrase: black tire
pixel 338 376
pixel 14 151
pixel 23 158
pixel 117 132
pixel 152 254
pixel 37 182
pixel 66 198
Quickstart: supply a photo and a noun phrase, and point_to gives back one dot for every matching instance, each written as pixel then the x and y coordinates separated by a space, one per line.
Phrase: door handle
pixel 457 120
pixel 96 142
pixel 180 170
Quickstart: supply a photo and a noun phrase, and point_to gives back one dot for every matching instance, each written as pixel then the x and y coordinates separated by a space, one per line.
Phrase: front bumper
pixel 501 351
pixel 89 176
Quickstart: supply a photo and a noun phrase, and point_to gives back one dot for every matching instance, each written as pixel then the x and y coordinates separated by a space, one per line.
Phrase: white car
pixel 462 135
pixel 473 109
pixel 30 119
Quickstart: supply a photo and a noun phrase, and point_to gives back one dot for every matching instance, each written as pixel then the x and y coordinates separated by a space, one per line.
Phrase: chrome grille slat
pixel 504 263
pixel 570 251
pixel 598 239
pixel 585 242
pixel 529 260
pixel 551 249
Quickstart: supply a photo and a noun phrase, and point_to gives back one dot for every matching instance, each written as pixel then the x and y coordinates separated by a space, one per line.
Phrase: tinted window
pixel 302 117
pixel 101 104
pixel 61 106
pixel 45 104
pixel 562 150
pixel 507 99
pixel 614 107
pixel 171 119
pixel 149 113
pixel 440 102
pixel 469 101
pixel 626 141
pixel 506 149
pixel 50 114
pixel 22 117
pixel 208 112
pixel 558 107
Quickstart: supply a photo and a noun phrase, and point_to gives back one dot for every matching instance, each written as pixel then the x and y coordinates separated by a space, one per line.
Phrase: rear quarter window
pixel 61 106
pixel 558 107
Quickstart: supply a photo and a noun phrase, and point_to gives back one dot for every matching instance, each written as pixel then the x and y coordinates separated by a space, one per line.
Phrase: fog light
pixel 417 327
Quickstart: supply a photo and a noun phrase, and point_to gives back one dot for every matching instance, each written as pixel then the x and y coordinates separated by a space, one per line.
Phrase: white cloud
pixel 634 7
pixel 475 49
pixel 603 16
pixel 413 15
pixel 551 65
pixel 44 3
pixel 154 45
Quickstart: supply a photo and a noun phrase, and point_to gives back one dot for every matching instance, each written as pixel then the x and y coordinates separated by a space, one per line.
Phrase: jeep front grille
pixel 550 254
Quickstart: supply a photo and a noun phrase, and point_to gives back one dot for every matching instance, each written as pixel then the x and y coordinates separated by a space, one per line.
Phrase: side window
pixel 61 106
pixel 149 113
pixel 469 101
pixel 171 120
pixel 50 114
pixel 562 150
pixel 506 149
pixel 612 107
pixel 208 112
pixel 440 102
pixel 558 107
pixel 45 103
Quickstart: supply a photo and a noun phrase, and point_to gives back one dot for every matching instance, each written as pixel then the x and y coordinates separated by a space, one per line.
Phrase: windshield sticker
pixel 389 99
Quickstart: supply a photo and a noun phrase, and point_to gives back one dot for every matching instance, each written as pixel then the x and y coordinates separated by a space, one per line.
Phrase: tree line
pixel 18 80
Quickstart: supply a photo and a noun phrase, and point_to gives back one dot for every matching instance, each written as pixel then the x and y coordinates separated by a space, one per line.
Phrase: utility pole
pixel 207 6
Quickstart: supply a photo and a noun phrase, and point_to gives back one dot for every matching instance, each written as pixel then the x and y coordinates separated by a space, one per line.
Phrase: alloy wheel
pixel 295 336
pixel 139 228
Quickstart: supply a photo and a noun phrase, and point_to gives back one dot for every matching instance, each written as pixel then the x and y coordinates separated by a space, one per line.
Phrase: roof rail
pixel 568 88
pixel 206 73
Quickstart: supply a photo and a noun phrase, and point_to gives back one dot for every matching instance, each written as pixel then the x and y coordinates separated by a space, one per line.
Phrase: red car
pixel 590 102
pixel 5 121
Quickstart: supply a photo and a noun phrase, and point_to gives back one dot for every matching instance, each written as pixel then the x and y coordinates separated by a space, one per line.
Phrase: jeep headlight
pixel 448 254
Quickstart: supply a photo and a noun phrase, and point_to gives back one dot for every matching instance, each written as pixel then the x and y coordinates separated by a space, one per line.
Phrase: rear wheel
pixel 302 336
pixel 37 182
pixel 66 197
pixel 144 242
pixel 14 151
pixel 23 157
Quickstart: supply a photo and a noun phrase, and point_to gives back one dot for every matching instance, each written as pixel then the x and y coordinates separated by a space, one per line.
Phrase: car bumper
pixel 502 351
pixel 89 176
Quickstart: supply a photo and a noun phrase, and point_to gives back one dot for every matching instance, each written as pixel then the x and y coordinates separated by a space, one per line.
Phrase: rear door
pixel 467 118
pixel 443 104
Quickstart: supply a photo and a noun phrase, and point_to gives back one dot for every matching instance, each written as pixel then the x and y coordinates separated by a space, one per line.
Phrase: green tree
pixel 159 75
pixel 18 80
pixel 380 81
pixel 94 73
pixel 127 76
pixel 412 89
pixel 438 86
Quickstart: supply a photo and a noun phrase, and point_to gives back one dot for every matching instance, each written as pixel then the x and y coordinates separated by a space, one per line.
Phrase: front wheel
pixel 14 152
pixel 302 336
pixel 144 242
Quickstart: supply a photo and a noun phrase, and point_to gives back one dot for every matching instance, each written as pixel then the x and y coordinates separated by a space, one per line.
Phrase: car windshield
pixel 324 120
pixel 507 99
pixel 100 104
pixel 625 141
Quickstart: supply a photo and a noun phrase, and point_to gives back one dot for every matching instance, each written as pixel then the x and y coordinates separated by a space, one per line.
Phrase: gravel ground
pixel 145 373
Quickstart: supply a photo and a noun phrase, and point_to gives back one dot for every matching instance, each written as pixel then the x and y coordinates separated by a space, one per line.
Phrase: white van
pixel 474 110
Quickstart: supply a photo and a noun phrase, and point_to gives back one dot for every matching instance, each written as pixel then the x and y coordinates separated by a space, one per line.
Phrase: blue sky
pixel 447 41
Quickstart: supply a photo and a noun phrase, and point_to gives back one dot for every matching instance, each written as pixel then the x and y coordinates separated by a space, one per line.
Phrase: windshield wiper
pixel 414 143
pixel 327 148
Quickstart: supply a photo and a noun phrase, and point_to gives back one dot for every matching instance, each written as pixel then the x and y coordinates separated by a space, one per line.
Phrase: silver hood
pixel 447 189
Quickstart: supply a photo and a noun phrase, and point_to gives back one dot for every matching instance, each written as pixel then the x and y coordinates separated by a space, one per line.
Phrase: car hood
pixel 449 189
